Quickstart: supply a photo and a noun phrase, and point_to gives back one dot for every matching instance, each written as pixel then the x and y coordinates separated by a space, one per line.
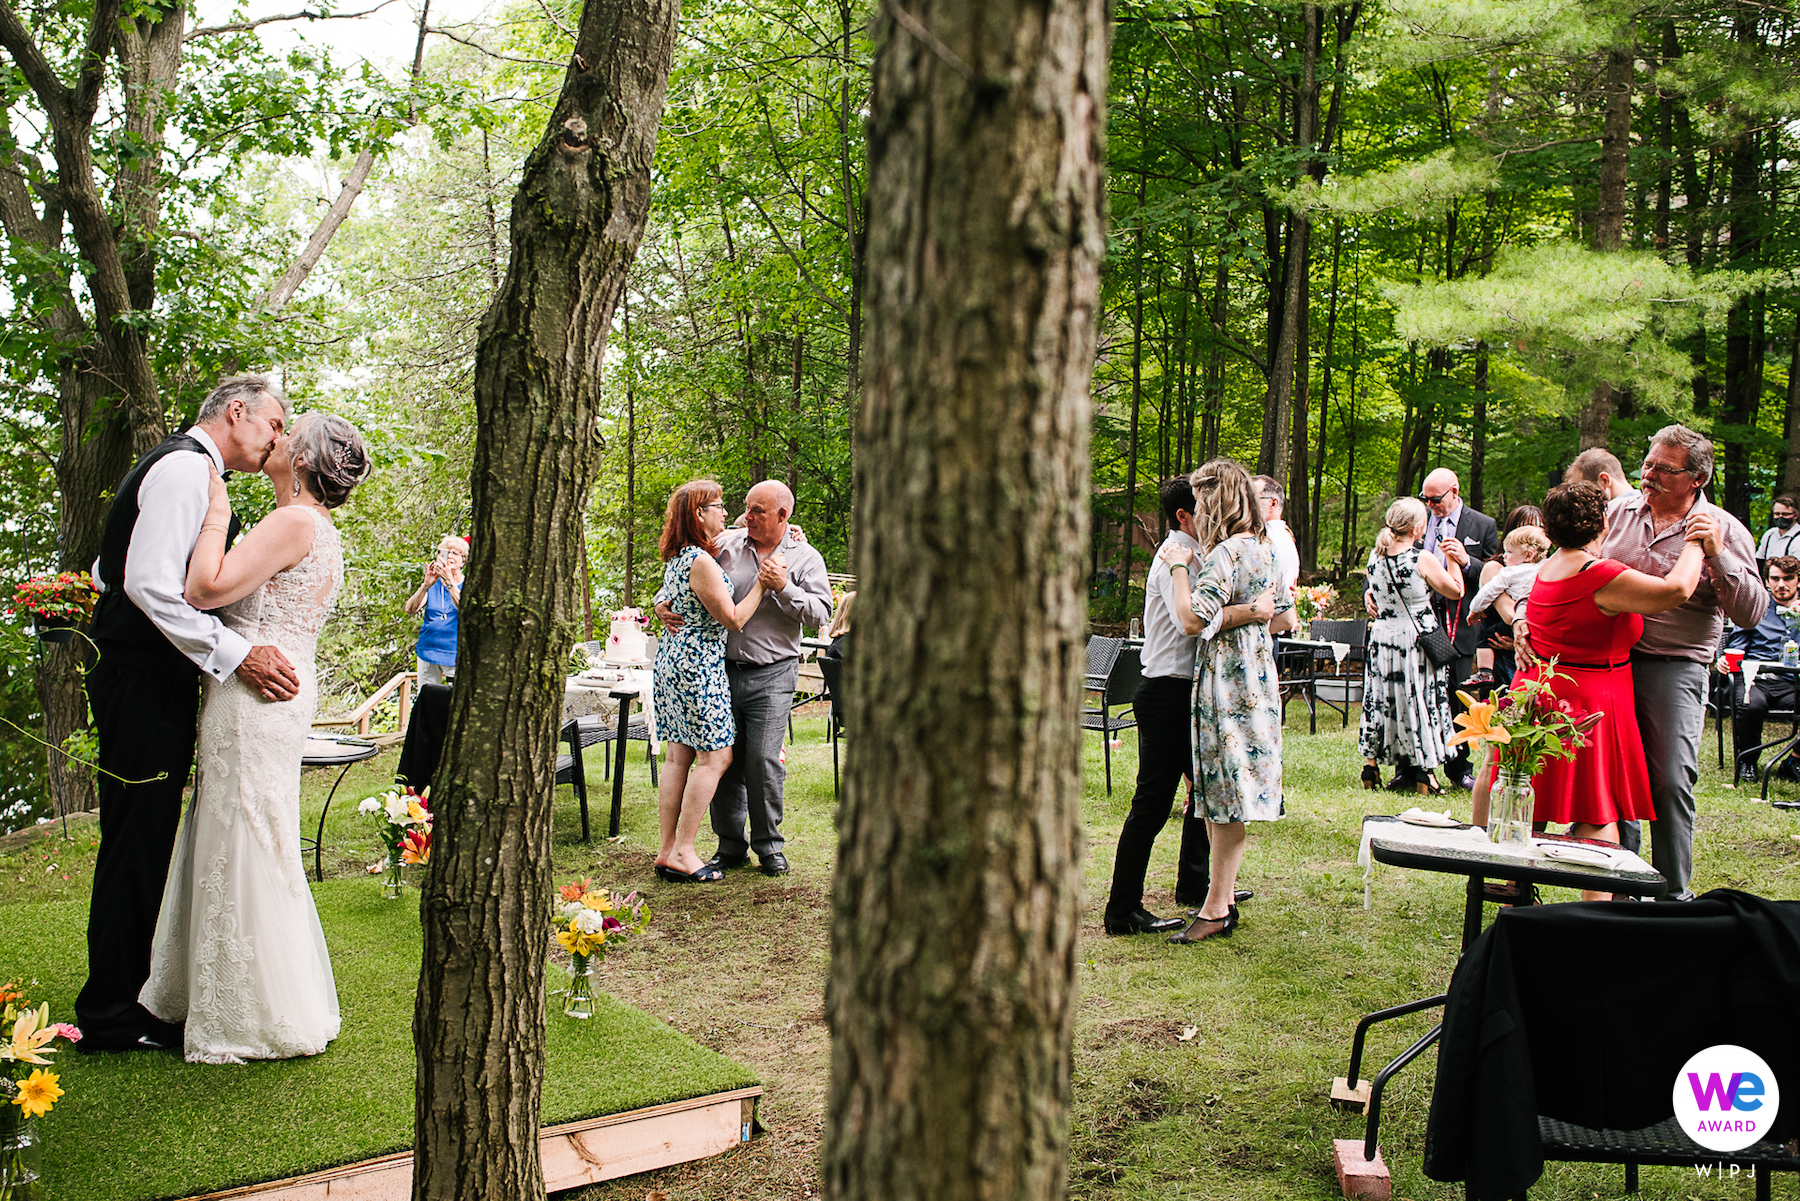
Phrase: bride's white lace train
pixel 239 954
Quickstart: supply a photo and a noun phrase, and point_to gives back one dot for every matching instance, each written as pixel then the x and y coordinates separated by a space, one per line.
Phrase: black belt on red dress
pixel 1596 666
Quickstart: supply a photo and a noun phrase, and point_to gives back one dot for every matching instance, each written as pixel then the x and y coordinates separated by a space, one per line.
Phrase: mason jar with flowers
pixel 402 820
pixel 1527 726
pixel 28 1090
pixel 586 921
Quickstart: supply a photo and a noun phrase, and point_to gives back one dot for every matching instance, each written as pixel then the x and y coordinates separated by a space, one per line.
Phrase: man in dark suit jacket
pixel 1480 536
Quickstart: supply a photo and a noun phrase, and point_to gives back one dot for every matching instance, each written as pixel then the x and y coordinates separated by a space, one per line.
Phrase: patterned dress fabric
pixel 692 695
pixel 1406 701
pixel 1237 694
pixel 1607 779
pixel 239 954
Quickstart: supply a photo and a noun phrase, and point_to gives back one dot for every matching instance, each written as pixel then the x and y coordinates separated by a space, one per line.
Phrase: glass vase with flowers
pixel 1527 726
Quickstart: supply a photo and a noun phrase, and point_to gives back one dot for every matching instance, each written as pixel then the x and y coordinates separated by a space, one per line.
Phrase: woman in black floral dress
pixel 1406 699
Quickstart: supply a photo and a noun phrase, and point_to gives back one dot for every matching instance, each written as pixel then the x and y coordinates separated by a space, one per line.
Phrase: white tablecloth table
pixel 590 694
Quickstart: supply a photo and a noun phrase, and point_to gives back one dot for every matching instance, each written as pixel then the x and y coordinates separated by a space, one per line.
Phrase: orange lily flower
pixel 1478 723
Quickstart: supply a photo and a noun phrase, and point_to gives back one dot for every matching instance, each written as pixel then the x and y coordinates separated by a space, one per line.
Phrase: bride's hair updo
pixel 329 457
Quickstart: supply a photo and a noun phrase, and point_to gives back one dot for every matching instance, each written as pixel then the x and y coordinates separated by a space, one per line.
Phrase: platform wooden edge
pixel 573 1153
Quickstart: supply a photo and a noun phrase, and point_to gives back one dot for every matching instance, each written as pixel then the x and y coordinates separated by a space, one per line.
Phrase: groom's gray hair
pixel 254 390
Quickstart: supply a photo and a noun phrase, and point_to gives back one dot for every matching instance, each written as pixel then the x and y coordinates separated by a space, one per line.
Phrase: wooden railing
pixel 365 712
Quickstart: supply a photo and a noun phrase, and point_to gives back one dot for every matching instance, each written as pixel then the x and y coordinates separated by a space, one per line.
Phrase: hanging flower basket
pixel 56 604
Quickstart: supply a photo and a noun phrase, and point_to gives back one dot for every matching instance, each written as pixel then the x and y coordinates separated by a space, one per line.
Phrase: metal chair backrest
pixel 1102 653
pixel 1122 680
pixel 1355 632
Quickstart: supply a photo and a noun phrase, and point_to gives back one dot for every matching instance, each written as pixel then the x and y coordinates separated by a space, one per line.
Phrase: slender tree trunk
pixel 1609 223
pixel 478 1029
pixel 1740 323
pixel 630 460
pixel 1325 372
pixel 1790 459
pixel 1137 396
pixel 1284 348
pixel 955 908
pixel 1297 514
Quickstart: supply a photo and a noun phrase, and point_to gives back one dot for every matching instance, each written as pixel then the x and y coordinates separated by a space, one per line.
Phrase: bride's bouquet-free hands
pixel 403 822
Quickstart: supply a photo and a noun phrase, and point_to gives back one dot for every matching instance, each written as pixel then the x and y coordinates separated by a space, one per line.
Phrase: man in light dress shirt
pixel 1281 539
pixel 1163 707
pixel 145 694
pixel 762 663
pixel 1670 661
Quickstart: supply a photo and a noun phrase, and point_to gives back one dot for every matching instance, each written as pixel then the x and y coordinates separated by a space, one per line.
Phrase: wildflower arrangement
pixel 403 820
pixel 26 1080
pixel 586 919
pixel 68 597
pixel 1526 723
pixel 1312 600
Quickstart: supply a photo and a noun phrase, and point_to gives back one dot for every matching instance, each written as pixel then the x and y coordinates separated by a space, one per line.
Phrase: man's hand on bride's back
pixel 267 671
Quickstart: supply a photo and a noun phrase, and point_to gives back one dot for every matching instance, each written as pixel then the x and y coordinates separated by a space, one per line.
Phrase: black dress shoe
pixel 727 863
pixel 1746 773
pixel 1141 921
pixel 775 864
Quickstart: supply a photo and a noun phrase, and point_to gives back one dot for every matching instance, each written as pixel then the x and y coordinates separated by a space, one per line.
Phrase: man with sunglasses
pixel 1670 662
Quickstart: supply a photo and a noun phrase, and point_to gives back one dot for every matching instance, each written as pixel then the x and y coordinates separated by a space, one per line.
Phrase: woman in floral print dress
pixel 1237 696
pixel 693 699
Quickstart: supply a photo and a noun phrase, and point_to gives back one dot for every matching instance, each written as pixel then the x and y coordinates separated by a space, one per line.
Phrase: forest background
pixel 1349 244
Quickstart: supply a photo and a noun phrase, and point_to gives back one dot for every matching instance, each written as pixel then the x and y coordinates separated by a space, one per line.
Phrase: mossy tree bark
pixel 956 901
pixel 576 224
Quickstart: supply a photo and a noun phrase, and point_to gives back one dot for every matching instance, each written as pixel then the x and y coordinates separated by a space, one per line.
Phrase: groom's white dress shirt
pixel 172 502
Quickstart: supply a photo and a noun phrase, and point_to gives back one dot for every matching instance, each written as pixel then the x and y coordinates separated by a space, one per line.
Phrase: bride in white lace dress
pixel 239 955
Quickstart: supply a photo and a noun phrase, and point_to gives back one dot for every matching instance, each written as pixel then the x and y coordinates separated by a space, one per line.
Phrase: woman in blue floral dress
pixel 693 700
pixel 1237 695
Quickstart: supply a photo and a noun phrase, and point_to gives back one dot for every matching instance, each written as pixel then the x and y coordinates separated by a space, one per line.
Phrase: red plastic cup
pixel 1734 660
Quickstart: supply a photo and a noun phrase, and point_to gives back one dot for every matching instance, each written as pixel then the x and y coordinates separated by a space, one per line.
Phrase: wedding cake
pixel 626 642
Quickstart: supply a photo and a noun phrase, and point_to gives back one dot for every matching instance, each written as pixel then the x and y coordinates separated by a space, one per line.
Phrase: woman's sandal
pixel 1428 785
pixel 1371 777
pixel 708 874
pixel 1203 928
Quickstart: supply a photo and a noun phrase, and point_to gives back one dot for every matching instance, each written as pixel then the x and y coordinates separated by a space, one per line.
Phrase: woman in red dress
pixel 1587 612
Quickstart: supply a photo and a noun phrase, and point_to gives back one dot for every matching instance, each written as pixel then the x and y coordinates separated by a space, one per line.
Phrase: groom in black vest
pixel 145 692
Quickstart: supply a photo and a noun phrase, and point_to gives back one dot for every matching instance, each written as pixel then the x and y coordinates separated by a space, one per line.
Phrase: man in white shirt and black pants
pixel 145 692
pixel 1163 707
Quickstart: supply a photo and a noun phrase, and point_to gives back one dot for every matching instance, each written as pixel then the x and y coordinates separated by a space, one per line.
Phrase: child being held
pixel 1525 550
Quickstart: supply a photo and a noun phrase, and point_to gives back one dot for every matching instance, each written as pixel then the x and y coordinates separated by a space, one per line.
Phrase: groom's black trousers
pixel 146 721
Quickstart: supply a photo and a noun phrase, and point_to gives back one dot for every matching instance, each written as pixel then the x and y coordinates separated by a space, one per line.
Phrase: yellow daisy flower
pixel 37 1093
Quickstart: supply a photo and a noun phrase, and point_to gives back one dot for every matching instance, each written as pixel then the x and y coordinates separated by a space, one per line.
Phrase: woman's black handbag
pixel 1434 642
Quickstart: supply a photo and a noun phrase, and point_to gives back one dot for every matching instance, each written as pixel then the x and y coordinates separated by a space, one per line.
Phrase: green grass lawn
pixel 1237 1110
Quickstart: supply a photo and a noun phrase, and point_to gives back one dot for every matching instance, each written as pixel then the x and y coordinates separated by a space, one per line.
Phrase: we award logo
pixel 1726 1098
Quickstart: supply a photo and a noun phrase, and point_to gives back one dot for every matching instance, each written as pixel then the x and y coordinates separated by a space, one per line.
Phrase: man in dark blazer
pixel 1479 535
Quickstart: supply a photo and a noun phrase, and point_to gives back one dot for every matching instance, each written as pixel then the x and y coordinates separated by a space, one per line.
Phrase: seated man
pixel 1773 690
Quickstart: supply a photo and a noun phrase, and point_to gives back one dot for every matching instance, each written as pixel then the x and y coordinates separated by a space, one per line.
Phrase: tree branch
pixel 303 15
pixel 798 264
pixel 52 93
pixel 530 62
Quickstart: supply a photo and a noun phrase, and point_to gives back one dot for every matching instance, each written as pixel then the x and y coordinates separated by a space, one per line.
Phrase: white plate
pixel 1575 853
pixel 1424 817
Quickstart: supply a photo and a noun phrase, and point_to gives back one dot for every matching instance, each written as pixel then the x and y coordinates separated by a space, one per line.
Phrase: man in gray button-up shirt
pixel 762 663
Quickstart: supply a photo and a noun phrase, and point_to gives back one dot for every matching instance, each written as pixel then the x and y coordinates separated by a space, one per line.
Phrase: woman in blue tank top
pixel 440 596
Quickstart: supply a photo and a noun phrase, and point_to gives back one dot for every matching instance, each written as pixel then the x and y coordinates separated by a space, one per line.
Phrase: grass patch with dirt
pixel 1236 1109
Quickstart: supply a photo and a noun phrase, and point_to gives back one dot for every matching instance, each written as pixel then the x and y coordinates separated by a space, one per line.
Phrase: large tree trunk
pixel 478 1028
pixel 956 901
